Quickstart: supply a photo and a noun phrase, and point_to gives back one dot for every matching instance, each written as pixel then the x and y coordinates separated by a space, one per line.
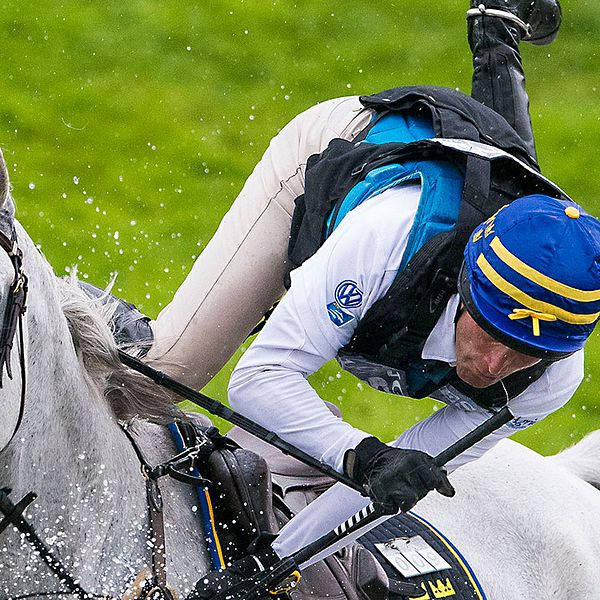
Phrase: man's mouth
pixel 478 379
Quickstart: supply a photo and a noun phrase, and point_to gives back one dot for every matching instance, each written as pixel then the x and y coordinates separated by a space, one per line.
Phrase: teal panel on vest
pixel 441 182
pixel 376 182
pixel 442 185
pixel 439 204
pixel 398 127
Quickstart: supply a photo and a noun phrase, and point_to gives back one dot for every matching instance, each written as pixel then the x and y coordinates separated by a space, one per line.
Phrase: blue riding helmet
pixel 531 276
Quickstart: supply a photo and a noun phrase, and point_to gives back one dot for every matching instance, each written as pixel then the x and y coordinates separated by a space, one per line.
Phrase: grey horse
pixel 532 534
pixel 70 450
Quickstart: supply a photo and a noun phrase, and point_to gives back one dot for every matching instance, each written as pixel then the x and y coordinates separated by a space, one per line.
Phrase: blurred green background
pixel 129 128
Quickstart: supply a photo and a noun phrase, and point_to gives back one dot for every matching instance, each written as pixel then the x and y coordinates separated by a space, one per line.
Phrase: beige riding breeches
pixel 246 259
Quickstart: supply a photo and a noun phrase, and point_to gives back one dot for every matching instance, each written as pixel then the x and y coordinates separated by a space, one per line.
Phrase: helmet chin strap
pixel 460 311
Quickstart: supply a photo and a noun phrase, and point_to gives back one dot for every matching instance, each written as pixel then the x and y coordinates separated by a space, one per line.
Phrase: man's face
pixel 481 360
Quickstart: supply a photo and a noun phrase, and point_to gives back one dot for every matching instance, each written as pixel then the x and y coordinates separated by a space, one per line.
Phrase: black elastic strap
pixel 474 208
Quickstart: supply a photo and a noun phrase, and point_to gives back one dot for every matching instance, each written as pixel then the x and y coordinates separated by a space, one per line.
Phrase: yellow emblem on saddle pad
pixel 439 589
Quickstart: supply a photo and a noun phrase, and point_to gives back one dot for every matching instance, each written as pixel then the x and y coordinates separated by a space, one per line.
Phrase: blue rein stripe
pixel 212 538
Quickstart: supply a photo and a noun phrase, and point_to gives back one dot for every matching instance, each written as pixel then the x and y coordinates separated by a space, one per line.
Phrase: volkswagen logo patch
pixel 348 294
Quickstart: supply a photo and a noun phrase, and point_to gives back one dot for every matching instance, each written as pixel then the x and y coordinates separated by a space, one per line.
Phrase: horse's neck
pixel 70 450
pixel 68 429
pixel 91 500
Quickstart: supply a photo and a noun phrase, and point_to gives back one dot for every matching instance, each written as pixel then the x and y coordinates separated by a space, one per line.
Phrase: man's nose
pixel 496 362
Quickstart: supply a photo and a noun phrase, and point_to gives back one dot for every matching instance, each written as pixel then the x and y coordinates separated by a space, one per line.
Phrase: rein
pixel 170 468
pixel 13 320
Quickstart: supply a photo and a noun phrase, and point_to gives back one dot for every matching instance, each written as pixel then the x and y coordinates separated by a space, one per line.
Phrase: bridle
pixel 12 322
pixel 152 586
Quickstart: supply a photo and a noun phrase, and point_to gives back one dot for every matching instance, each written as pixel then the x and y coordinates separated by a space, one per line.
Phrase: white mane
pixel 129 393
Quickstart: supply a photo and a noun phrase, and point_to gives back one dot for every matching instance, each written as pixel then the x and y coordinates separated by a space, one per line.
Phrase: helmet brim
pixel 464 290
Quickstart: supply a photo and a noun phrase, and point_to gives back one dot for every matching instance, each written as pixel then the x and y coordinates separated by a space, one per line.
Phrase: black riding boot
pixel 495 30
pixel 539 20
pixel 131 329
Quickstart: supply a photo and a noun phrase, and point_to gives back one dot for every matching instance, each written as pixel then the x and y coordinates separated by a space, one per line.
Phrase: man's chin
pixel 476 380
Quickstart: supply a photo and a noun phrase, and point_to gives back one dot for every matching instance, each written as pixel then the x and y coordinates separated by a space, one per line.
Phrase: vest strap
pixel 473 211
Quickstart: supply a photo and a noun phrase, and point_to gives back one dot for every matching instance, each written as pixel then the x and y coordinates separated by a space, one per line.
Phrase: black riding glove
pixel 220 583
pixel 394 477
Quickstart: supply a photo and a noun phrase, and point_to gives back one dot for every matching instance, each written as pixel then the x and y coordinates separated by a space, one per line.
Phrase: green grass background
pixel 129 127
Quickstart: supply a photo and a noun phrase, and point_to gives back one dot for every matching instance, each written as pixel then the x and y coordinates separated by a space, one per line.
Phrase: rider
pixel 377 283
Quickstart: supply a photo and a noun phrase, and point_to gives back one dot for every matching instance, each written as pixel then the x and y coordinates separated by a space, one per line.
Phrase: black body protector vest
pixel 388 341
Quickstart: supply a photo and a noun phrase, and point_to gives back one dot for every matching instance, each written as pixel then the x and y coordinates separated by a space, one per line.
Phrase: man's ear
pixel 459 312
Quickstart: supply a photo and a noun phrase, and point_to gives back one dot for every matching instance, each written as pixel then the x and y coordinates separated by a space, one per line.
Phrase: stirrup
pixel 481 10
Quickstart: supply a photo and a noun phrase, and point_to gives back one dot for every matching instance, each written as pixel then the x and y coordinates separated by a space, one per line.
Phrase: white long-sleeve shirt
pixel 329 295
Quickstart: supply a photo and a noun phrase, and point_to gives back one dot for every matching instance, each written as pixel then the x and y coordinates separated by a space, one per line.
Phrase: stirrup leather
pixel 481 10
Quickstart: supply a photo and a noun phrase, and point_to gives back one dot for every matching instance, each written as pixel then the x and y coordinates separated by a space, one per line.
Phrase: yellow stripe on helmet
pixel 522 298
pixel 539 278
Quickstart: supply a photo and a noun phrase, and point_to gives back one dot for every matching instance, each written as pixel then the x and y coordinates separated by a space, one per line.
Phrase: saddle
pixel 430 566
pixel 255 490
pixel 259 489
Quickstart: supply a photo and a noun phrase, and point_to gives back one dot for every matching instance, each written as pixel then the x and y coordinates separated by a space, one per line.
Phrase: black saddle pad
pixel 423 556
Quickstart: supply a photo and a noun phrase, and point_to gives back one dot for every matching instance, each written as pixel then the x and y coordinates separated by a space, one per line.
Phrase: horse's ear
pixel 4 181
pixel 7 208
